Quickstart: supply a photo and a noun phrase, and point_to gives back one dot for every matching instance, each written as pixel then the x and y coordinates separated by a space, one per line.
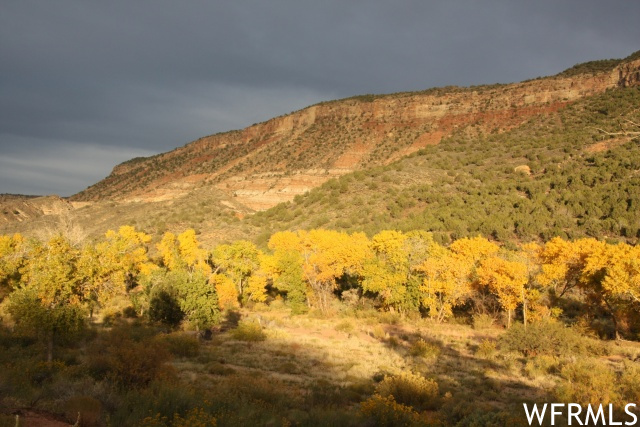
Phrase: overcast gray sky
pixel 86 85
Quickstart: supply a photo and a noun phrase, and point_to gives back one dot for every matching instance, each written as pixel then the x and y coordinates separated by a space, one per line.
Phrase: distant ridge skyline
pixel 87 86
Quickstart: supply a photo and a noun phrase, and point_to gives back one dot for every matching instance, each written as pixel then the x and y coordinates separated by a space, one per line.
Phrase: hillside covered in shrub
pixel 572 173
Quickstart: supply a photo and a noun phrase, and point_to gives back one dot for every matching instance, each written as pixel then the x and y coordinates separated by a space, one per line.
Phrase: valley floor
pixel 266 367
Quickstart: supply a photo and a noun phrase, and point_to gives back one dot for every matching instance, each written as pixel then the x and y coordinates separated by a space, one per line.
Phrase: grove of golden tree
pixel 48 288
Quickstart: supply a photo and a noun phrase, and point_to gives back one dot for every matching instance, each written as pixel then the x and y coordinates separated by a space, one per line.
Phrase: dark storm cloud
pixel 85 85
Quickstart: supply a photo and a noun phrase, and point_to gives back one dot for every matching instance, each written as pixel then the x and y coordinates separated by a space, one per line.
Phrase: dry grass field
pixel 350 367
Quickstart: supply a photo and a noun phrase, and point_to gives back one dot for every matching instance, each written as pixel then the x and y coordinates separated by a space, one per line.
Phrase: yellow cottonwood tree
pixel 385 271
pixel 112 267
pixel 195 257
pixel 620 268
pixel 612 275
pixel 190 277
pixel 284 269
pixel 49 299
pixel 447 274
pixel 418 246
pixel 392 268
pixel 535 305
pixel 326 255
pixel 226 290
pixel 506 279
pixel 170 252
pixel 562 263
pixel 12 260
pixel 184 252
pixel 285 241
pixel 256 288
pixel 446 282
pixel 239 262
pixel 473 249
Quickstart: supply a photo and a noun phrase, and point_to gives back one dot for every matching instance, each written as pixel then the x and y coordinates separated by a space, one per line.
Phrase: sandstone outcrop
pixel 15 208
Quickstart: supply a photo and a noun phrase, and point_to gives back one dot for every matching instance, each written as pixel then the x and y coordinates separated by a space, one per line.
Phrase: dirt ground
pixel 39 419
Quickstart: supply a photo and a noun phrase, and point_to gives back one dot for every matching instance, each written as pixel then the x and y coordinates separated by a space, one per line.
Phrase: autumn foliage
pixel 50 287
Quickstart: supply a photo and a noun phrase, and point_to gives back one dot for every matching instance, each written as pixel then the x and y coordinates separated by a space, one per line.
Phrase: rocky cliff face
pixel 271 162
pixel 23 208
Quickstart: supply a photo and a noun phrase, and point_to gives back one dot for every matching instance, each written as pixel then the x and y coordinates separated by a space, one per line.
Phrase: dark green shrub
pixel 129 312
pixel 540 365
pixel 629 383
pixel 217 368
pixel 486 349
pixel 410 389
pixel 385 411
pixel 194 417
pixel 161 402
pixel 587 382
pixel 180 344
pixel 164 308
pixel 483 321
pixel 248 331
pixel 345 326
pixel 550 338
pixel 127 362
pixel 466 413
pixel 421 348
pixel 137 364
pixel 44 372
